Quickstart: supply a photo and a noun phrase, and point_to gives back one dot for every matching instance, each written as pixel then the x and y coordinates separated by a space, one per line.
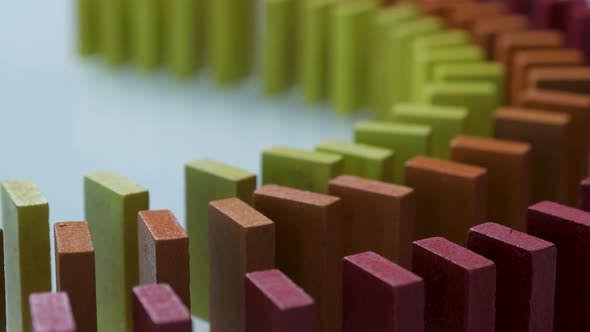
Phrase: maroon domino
pixel 274 303
pixel 460 286
pixel 585 195
pixel 569 230
pixel 51 312
pixel 380 296
pixel 156 308
pixel 525 284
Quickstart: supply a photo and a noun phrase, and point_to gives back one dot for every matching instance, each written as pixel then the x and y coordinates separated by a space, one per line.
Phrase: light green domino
pixel 147 34
pixel 350 52
pixel 427 56
pixel 114 30
pixel 405 140
pixel 385 21
pixel 277 52
pixel 111 204
pixel 230 39
pixel 402 55
pixel 479 98
pixel 314 49
pixel 184 36
pixel 362 160
pixel 206 181
pixel 446 122
pixel 88 27
pixel 300 169
pixel 27 265
pixel 490 72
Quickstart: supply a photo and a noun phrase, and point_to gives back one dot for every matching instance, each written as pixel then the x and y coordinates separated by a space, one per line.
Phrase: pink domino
pixel 525 284
pixel 156 308
pixel 460 286
pixel 380 296
pixel 274 303
pixel 585 195
pixel 51 312
pixel 569 230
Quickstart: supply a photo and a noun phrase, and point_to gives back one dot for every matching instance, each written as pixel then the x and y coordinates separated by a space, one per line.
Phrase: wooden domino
pixel 156 308
pixel 567 79
pixel 463 17
pixel 486 31
pixel 51 312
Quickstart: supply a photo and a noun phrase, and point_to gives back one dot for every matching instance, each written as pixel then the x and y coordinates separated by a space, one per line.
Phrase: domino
pixel 464 16
pixel 113 30
pixel 460 286
pixel 27 266
pixel 274 303
pixel 163 248
pixel 147 33
pixel 51 312
pixel 111 204
pixel 509 166
pixel 381 296
pixel 377 216
pixel 565 79
pixel 201 177
pixel 156 308
pixel 452 197
pixel 525 280
pixel 405 140
pixel 362 160
pixel 308 245
pixel 184 36
pixel 75 271
pixel 486 31
pixel 279 37
pixel 568 229
pixel 510 43
pixel 241 240
pixel 549 136
pixel 486 72
pixel 88 42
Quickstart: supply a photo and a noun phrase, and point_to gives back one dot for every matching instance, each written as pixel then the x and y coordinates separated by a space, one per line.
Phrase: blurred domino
pixel 487 72
pixel 278 39
pixel 463 17
pixel 75 272
pixel 114 30
pixel 486 31
pixel 163 252
pixel 51 312
pixel 147 33
pixel 156 308
pixel 241 240
pixel 565 79
pixel 184 36
pixel 87 27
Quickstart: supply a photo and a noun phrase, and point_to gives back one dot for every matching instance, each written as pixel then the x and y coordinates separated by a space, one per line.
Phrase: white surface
pixel 62 117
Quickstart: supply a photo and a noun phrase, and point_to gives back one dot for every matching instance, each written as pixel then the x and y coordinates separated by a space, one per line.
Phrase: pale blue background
pixel 62 117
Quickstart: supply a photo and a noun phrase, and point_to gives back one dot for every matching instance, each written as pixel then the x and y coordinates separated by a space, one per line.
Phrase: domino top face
pixel 24 193
pixel 554 98
pixel 454 253
pixel 445 38
pixel 502 23
pixel 240 212
pixel 431 111
pixel 220 169
pixel 161 304
pixel 561 212
pixel 526 39
pixel 297 196
pixel 512 237
pixel 355 7
pixel 51 312
pixel 316 157
pixel 162 224
pixel 532 116
pixel 73 237
pixel 459 88
pixel 468 70
pixel 396 13
pixel 380 127
pixel 446 167
pixel 492 145
pixel 116 183
pixel 417 27
pixel 273 284
pixel 383 269
pixel 360 150
pixel 371 186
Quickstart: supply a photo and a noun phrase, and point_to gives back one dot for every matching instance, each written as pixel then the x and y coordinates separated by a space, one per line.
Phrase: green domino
pixel 380 65
pixel 87 27
pixel 406 140
pixel 206 181
pixel 446 122
pixel 277 52
pixel 114 31
pixel 147 33
pixel 480 99
pixel 230 39
pixel 111 204
pixel 350 52
pixel 184 36
pixel 401 55
pixel 488 72
pixel 300 169
pixel 314 49
pixel 25 216
pixel 362 160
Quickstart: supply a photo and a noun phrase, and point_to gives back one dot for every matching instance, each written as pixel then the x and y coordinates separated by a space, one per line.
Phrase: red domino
pixel 525 285
pixel 156 308
pixel 460 286
pixel 51 312
pixel 274 303
pixel 585 195
pixel 569 230
pixel 381 296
